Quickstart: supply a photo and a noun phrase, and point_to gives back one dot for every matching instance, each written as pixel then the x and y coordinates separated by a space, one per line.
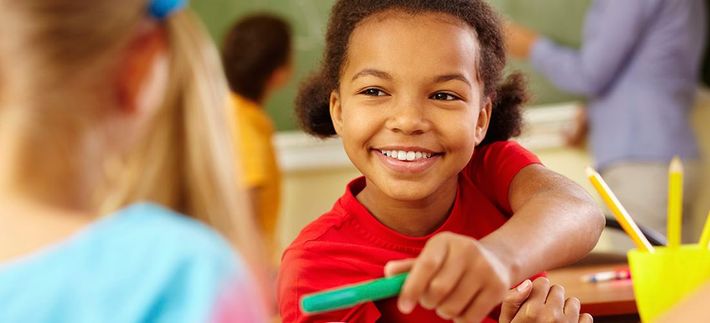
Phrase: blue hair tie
pixel 160 9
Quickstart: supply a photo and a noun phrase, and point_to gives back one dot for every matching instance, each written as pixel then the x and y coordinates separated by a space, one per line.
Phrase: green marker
pixel 351 295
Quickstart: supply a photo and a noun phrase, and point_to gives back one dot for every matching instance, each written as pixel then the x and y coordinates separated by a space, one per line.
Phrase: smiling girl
pixel 412 88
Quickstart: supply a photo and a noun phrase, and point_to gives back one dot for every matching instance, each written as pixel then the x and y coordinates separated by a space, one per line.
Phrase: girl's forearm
pixel 555 224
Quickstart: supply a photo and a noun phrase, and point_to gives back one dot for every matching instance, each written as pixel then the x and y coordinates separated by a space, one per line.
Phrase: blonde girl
pixel 104 104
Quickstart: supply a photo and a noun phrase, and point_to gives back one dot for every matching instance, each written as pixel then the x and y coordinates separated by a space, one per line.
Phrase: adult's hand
pixel 519 40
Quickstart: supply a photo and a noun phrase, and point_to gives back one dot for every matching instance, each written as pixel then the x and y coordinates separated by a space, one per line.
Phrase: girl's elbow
pixel 596 218
pixel 589 215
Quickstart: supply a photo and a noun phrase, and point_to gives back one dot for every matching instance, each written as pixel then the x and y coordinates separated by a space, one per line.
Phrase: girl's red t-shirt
pixel 348 245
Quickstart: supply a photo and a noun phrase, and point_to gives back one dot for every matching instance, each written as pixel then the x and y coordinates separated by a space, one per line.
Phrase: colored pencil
pixel 675 202
pixel 605 276
pixel 620 213
pixel 705 237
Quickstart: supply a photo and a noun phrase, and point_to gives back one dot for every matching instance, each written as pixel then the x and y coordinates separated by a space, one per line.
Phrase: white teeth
pixel 411 155
pixel 405 155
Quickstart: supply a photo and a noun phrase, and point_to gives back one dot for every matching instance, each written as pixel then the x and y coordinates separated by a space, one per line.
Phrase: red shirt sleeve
pixel 493 167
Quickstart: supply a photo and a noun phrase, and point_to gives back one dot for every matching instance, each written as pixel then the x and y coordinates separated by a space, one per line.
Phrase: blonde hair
pixel 185 161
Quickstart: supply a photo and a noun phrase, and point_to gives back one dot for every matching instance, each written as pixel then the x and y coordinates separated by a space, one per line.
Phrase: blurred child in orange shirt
pixel 257 61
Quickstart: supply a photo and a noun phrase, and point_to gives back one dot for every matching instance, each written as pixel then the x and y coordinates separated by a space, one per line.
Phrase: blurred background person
pixel 257 61
pixel 112 103
pixel 638 67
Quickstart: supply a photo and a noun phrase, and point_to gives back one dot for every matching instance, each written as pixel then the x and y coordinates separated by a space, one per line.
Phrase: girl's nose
pixel 408 117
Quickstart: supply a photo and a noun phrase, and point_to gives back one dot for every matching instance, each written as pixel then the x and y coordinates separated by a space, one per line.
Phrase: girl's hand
pixel 454 275
pixel 540 302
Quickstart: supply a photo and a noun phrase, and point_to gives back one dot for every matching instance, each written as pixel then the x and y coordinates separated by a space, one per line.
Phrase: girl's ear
pixel 336 111
pixel 141 75
pixel 484 119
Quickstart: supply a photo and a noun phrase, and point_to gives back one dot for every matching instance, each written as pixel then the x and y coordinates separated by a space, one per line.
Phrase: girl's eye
pixel 373 92
pixel 444 96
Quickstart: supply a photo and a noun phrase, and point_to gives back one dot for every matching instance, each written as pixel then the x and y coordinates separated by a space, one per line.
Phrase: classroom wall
pixel 307 194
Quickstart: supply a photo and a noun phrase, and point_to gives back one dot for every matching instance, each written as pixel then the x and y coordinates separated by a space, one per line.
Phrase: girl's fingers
pixel 446 280
pixel 535 305
pixel 398 266
pixel 541 287
pixel 513 300
pixel 425 267
pixel 571 310
pixel 455 303
pixel 479 307
pixel 586 318
pixel 555 297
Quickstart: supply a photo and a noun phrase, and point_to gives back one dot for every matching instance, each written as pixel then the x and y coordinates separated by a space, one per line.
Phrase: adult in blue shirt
pixel 638 66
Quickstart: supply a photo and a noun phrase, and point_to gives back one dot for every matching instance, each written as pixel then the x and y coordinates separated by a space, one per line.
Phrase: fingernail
pixel 388 267
pixel 442 315
pixel 406 307
pixel 523 286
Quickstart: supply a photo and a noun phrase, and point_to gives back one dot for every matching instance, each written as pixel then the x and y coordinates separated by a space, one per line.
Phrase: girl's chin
pixel 407 193
pixel 410 188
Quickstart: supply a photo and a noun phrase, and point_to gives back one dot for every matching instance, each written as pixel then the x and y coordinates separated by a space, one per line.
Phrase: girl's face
pixel 409 108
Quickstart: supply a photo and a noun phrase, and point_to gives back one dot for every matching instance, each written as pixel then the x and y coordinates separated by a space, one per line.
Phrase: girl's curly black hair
pixel 312 102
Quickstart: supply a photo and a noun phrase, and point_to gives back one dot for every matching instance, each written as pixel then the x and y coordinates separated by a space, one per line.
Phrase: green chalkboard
pixel 560 19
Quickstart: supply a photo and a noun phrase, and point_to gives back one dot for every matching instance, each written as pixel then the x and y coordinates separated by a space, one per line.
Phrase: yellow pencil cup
pixel 663 278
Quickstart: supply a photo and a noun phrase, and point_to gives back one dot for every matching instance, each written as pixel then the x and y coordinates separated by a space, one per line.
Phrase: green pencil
pixel 351 295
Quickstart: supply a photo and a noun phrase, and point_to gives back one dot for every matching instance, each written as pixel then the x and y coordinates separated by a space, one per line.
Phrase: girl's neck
pixel 413 218
pixel 27 226
pixel 41 200
pixel 54 171
pixel 49 169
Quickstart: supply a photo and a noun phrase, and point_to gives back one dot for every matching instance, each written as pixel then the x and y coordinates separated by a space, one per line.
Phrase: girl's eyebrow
pixel 387 76
pixel 373 72
pixel 449 77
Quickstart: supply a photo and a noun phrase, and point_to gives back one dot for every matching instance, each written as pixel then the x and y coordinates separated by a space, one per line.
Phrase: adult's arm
pixel 608 44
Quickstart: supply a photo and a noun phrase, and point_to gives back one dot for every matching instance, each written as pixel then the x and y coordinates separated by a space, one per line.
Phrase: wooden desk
pixel 612 298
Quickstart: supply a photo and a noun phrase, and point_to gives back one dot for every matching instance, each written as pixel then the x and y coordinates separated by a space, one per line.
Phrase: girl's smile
pixel 407 160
